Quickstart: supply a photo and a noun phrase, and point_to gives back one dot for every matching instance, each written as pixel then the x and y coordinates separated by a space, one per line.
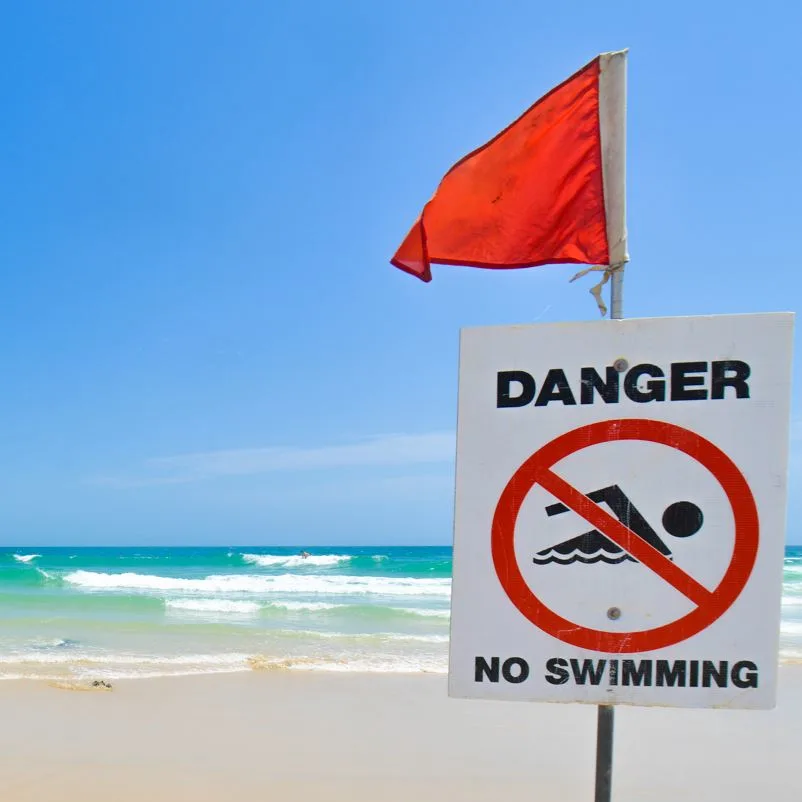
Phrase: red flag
pixel 548 189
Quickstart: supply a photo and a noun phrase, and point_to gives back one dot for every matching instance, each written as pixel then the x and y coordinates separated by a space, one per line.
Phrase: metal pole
pixel 617 294
pixel 604 753
pixel 606 714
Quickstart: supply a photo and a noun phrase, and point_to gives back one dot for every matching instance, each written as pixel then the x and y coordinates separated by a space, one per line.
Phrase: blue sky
pixel 203 340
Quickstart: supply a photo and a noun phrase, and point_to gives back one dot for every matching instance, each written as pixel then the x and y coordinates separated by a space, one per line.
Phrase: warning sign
pixel 620 511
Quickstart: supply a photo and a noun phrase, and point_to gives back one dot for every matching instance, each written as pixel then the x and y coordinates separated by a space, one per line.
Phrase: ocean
pixel 76 614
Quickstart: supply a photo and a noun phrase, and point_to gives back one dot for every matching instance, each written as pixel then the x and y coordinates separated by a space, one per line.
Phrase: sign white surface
pixel 620 511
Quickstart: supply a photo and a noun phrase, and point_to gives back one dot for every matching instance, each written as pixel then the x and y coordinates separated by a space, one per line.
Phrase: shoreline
pixel 296 735
pixel 259 665
pixel 254 665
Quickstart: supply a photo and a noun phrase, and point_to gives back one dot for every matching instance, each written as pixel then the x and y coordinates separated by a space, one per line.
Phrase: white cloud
pixel 386 450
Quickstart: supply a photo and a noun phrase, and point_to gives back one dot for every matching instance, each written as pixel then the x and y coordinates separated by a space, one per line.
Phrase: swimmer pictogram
pixel 680 519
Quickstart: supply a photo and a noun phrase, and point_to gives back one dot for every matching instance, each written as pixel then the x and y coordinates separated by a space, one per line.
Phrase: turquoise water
pixel 791 625
pixel 71 613
pixel 111 612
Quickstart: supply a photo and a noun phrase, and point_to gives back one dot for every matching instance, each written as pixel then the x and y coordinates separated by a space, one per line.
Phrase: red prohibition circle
pixel 710 605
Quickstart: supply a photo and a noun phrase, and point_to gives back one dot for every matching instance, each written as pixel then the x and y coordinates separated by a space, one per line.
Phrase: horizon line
pixel 235 546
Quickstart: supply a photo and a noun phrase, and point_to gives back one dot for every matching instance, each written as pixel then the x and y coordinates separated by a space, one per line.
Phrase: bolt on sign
pixel 620 511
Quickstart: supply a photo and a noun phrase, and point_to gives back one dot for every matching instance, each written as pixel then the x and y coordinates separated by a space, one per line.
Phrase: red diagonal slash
pixel 708 606
pixel 613 529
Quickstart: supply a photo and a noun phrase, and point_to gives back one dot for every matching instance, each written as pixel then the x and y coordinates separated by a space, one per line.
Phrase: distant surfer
pixel 305 554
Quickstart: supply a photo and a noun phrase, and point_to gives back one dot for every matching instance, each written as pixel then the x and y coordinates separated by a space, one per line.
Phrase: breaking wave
pixel 310 584
pixel 294 560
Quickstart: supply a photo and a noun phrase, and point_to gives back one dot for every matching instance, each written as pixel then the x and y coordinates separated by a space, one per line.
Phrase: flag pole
pixel 617 294
pixel 605 722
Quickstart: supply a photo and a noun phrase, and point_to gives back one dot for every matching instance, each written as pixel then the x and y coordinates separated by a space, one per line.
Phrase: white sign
pixel 620 511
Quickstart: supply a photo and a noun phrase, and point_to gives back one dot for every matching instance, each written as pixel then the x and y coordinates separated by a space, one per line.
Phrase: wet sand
pixel 302 736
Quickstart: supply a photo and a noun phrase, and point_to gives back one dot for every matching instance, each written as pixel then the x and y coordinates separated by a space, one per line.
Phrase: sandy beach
pixel 321 736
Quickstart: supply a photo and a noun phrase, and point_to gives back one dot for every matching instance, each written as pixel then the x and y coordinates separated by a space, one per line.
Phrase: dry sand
pixel 295 736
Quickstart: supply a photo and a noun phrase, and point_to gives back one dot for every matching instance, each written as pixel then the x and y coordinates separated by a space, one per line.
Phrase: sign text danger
pixel 681 381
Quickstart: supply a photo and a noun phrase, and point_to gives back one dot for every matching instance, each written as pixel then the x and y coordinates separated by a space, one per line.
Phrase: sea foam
pixel 791 628
pixel 294 560
pixel 309 584
pixel 104 659
pixel 292 606
pixel 368 637
pixel 25 558
pixel 378 664
pixel 427 613
pixel 213 606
